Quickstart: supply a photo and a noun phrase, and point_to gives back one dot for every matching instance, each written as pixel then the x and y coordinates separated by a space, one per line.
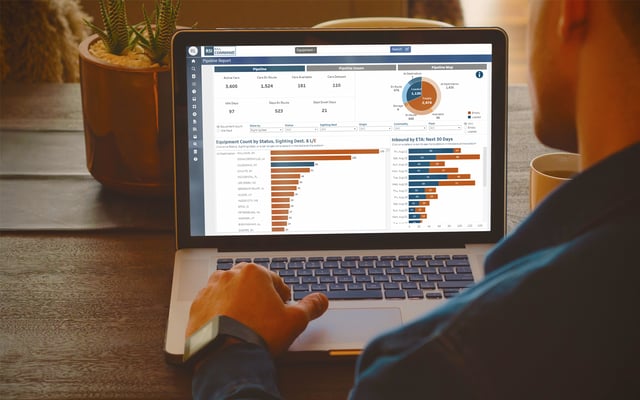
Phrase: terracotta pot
pixel 127 125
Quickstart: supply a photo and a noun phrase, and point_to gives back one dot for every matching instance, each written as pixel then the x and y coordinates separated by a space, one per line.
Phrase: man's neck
pixel 608 101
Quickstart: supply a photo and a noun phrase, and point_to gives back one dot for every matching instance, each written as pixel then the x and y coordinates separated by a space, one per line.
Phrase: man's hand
pixel 257 297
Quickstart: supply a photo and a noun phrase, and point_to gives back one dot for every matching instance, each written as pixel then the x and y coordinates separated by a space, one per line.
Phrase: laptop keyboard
pixel 369 277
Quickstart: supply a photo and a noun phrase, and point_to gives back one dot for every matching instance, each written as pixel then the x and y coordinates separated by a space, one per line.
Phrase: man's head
pixel 584 57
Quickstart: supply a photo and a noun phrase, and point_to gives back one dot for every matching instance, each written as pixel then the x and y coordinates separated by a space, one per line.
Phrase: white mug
pixel 548 171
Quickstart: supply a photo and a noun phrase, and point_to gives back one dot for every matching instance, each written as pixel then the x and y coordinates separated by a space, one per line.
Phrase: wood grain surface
pixel 83 316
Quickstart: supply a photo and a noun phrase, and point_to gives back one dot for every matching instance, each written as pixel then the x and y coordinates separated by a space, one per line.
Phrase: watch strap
pixel 217 330
pixel 231 327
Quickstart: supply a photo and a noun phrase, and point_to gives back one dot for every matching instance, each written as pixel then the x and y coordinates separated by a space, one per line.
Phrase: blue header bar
pixel 442 58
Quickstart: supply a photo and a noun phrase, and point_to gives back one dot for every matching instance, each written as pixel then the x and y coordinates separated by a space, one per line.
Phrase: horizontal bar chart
pixel 428 170
pixel 288 169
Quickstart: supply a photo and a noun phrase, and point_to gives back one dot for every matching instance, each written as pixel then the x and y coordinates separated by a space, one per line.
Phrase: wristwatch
pixel 213 334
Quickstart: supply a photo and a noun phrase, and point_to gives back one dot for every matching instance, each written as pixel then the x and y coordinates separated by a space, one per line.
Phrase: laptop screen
pixel 339 138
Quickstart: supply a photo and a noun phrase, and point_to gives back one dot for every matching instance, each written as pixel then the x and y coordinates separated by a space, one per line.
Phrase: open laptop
pixel 367 164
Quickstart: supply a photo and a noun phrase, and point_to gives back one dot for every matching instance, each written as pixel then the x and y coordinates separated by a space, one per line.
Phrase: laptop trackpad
pixel 346 329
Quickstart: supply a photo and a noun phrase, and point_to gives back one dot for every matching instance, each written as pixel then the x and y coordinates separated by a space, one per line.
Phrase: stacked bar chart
pixel 429 170
pixel 289 167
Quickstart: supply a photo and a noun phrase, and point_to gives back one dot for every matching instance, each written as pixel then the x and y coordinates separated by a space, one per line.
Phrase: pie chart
pixel 421 95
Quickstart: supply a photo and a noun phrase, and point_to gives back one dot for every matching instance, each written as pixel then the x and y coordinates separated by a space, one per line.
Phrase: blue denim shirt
pixel 557 315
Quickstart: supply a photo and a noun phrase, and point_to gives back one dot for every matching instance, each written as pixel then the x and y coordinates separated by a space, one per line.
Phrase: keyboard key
pixel 340 272
pixel 383 264
pixel 286 272
pixel 345 279
pixel 457 263
pixel 409 285
pixel 394 271
pixel 416 278
pixel 357 271
pixel 415 294
pixel 418 263
pixel 365 264
pixel 406 258
pixel 427 285
pixel 449 293
pixel 436 263
pixel 300 288
pixel 398 278
pixel 388 258
pixel 224 266
pixel 289 280
pixel 336 286
pixel 373 286
pixel 442 257
pixel 369 258
pixel 424 257
pixel 322 272
pixel 434 277
pixel 454 284
pixel 331 264
pixel 225 260
pixel 434 295
pixel 277 265
pixel 348 264
pixel 363 278
pixel 315 259
pixel 401 263
pixel 380 278
pixel 309 279
pixel 303 272
pixel 262 260
pixel 394 294
pixel 391 286
pixel 355 286
pixel 298 259
pixel 327 279
pixel 446 270
pixel 375 271
pixel 460 257
pixel 280 259
pixel 352 258
pixel 313 265
pixel 318 287
pixel 411 270
pixel 458 277
pixel 334 258
pixel 243 259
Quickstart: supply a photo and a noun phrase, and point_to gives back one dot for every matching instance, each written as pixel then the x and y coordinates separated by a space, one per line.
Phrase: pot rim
pixel 85 54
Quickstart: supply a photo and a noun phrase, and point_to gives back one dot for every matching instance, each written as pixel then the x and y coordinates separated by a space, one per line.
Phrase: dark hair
pixel 627 12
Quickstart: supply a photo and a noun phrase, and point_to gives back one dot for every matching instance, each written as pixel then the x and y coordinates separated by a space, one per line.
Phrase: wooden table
pixel 85 274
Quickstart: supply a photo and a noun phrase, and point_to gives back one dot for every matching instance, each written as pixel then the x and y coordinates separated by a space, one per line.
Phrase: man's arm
pixel 258 298
pixel 239 371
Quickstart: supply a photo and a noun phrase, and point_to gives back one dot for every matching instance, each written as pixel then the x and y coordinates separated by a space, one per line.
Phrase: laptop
pixel 365 163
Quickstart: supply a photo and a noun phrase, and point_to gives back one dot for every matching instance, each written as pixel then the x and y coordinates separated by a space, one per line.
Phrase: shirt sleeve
pixel 242 371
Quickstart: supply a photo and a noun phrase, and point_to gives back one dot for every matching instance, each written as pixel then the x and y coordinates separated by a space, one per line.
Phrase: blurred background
pixel 38 38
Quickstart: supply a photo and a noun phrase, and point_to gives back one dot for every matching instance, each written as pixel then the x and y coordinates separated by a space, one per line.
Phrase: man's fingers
pixel 313 305
pixel 283 290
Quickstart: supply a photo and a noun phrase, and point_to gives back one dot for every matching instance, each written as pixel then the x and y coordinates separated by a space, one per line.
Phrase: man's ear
pixel 573 19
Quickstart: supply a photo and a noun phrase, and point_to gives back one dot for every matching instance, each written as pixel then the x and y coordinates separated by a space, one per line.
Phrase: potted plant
pixel 126 99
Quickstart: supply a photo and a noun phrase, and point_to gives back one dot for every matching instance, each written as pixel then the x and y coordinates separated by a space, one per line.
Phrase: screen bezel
pixel 496 36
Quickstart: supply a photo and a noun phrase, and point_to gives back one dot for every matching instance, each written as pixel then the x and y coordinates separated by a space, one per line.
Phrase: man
pixel 556 316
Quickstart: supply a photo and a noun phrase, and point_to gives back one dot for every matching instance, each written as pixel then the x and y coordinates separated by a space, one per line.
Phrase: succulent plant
pixel 117 33
pixel 153 34
pixel 157 42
